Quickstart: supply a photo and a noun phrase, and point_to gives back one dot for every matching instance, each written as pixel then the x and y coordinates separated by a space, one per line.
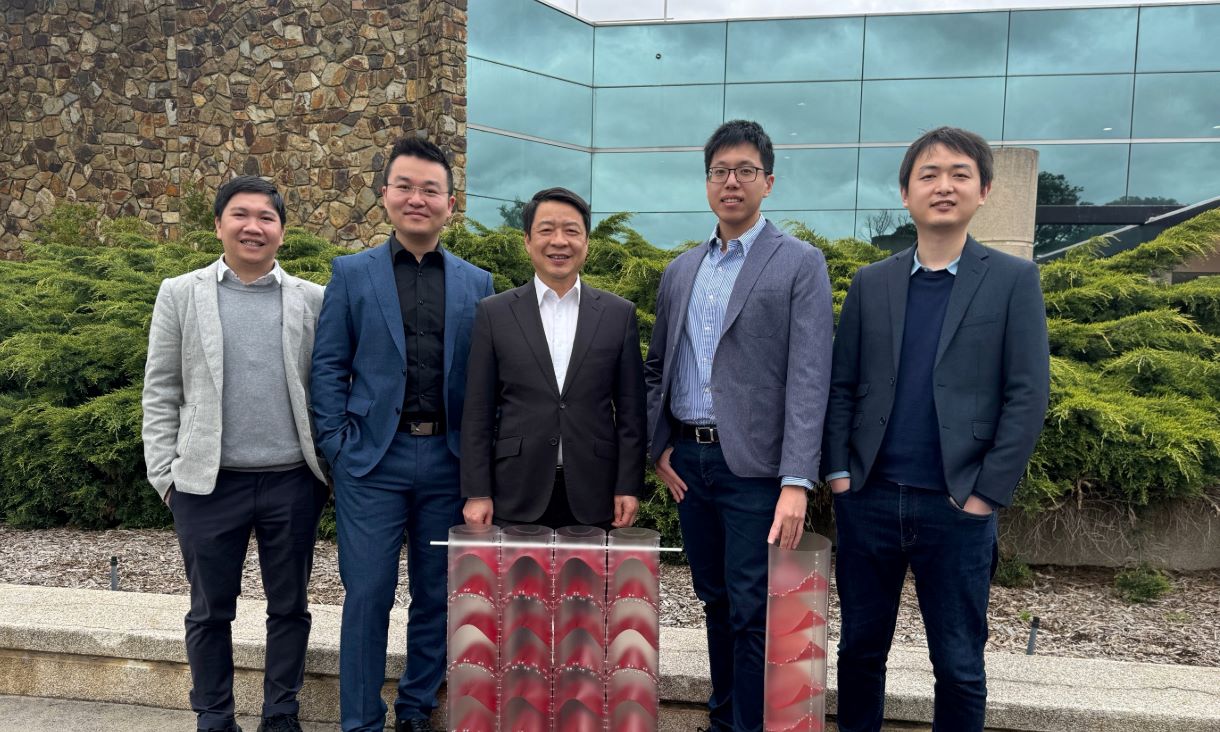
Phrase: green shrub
pixel 1142 584
pixel 1012 572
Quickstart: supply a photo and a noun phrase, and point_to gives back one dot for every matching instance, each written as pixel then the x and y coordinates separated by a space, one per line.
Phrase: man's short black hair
pixel 562 195
pixel 738 132
pixel 249 184
pixel 959 141
pixel 416 147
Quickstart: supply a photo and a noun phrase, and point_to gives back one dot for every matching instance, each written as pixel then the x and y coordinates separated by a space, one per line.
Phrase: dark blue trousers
pixel 414 489
pixel 213 531
pixel 725 520
pixel 883 529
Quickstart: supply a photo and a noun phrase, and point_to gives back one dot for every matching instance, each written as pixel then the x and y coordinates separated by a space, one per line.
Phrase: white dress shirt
pixel 559 316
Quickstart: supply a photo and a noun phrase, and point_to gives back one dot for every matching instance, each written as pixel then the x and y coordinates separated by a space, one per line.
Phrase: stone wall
pixel 128 103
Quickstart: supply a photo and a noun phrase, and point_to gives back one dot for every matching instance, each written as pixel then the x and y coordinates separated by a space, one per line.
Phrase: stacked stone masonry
pixel 127 104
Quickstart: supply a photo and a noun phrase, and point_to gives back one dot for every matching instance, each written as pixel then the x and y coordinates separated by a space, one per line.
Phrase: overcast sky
pixel 609 10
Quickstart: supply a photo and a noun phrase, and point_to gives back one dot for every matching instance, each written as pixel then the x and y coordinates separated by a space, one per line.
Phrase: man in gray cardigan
pixel 228 446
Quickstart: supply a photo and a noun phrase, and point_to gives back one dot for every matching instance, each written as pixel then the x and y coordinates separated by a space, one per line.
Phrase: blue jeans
pixel 882 529
pixel 725 520
pixel 413 489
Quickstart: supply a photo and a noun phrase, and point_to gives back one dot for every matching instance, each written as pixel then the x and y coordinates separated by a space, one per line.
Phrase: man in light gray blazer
pixel 737 373
pixel 228 446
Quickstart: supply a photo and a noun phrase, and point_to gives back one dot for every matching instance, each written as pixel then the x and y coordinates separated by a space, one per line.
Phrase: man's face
pixel 251 232
pixel 735 203
pixel 416 198
pixel 557 243
pixel 944 190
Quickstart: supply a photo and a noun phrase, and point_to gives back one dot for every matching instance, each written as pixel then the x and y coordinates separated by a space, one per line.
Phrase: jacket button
pixel 554 440
pixel 883 420
pixel 563 405
pixel 891 381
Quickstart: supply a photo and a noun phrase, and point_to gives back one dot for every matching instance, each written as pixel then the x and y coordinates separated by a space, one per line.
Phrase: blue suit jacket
pixel 359 359
pixel 771 371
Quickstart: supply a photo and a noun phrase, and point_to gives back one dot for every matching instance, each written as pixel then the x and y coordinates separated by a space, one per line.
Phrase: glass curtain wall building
pixel 1122 103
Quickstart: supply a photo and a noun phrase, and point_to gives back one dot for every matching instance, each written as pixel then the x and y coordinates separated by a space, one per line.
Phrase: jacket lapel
pixel 455 304
pixel 207 315
pixel 760 252
pixel 293 304
pixel 588 317
pixel 898 281
pixel 525 310
pixel 687 266
pixel 970 271
pixel 381 272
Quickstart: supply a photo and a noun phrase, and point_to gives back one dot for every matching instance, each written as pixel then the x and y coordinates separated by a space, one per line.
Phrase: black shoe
pixel 231 728
pixel 280 723
pixel 418 724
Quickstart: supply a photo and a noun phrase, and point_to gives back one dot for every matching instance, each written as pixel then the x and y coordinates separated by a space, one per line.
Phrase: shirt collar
pixel 541 289
pixel 746 239
pixel 916 265
pixel 276 273
pixel 396 248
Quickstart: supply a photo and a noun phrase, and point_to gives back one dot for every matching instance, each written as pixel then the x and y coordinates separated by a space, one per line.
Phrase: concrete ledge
pixel 127 648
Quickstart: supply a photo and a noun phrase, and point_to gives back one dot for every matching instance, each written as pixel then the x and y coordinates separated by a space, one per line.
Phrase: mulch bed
pixel 1080 613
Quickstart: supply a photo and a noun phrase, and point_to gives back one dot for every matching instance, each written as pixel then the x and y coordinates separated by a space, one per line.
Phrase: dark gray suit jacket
pixel 991 376
pixel 771 369
pixel 515 414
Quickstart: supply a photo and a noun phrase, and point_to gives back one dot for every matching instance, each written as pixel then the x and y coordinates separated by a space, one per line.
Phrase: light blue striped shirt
pixel 691 394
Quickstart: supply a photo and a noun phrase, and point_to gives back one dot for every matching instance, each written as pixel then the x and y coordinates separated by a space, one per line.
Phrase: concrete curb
pixel 126 647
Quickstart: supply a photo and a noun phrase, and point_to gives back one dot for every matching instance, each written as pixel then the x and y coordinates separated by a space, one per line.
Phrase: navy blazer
pixel 991 378
pixel 360 355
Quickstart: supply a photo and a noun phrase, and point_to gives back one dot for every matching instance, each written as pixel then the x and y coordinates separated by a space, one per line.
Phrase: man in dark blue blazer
pixel 389 374
pixel 939 387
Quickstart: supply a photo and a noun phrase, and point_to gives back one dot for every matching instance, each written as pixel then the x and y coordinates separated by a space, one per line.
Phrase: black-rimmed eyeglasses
pixel 743 173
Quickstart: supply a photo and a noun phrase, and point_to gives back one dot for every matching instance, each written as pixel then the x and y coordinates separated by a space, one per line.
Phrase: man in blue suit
pixel 940 384
pixel 737 373
pixel 389 372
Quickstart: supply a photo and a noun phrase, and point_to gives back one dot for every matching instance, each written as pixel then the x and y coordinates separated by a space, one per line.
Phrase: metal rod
pixel 549 545
pixel 1033 637
pixel 114 572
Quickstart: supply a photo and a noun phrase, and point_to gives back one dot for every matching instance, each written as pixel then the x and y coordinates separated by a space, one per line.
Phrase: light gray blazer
pixel 771 371
pixel 184 378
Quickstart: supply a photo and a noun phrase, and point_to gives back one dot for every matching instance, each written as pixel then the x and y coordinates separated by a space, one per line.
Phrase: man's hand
pixel 624 511
pixel 168 497
pixel 840 485
pixel 977 506
pixel 477 511
pixel 669 477
pixel 789 522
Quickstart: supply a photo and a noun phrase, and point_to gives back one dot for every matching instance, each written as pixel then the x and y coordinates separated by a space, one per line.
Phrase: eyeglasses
pixel 405 189
pixel 743 173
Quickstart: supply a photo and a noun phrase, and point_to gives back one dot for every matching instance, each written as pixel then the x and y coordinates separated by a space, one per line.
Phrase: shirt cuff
pixel 793 480
pixel 838 474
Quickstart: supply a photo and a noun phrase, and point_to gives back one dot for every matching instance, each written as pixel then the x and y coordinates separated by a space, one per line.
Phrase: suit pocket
pixel 358 405
pixel 983 430
pixel 508 447
pixel 605 450
pixel 186 426
pixel 982 319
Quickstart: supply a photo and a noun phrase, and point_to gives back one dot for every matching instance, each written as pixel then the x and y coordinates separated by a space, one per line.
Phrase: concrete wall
pixel 125 103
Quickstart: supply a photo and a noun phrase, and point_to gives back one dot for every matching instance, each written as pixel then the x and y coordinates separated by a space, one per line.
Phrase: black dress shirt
pixel 421 295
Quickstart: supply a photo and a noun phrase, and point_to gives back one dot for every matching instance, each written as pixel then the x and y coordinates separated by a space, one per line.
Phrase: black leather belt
pixel 704 434
pixel 421 429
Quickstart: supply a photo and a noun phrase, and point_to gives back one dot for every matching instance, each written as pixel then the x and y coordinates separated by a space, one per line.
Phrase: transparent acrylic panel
pixel 877 184
pixel 1179 38
pixel 472 698
pixel 669 230
pixel 580 561
pixel 813 178
pixel 521 101
pixel 1182 173
pixel 807 49
pixel 918 46
pixel 632 697
pixel 526 562
pixel 656 116
pixel 474 560
pixel 900 111
pixel 639 55
pixel 1177 105
pixel 506 167
pixel 579 700
pixel 795 658
pixel 1085 41
pixel 821 112
pixel 1099 171
pixel 650 182
pixel 530 35
pixel 1068 107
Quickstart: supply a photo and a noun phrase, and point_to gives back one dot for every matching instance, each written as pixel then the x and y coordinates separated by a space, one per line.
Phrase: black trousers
pixel 282 508
pixel 558 513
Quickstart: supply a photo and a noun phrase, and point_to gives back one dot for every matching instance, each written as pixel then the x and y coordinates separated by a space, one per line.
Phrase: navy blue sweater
pixel 910 452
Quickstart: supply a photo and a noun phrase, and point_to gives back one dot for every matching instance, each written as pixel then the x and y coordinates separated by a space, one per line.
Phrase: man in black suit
pixel 553 427
pixel 939 386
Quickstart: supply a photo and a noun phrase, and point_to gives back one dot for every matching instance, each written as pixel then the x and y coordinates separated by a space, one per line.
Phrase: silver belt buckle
pixel 705 435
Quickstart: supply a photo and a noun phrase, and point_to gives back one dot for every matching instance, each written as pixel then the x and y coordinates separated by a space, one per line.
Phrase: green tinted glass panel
pixel 487 211
pixel 820 49
pixel 1091 174
pixel 877 183
pixel 1177 105
pixel 899 111
pixel 1179 38
pixel 917 46
pixel 649 182
pixel 821 112
pixel 508 168
pixel 521 101
pixel 813 179
pixel 830 224
pixel 1182 173
pixel 654 116
pixel 1068 107
pixel 1093 41
pixel 888 229
pixel 640 55
pixel 528 34
pixel 668 230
